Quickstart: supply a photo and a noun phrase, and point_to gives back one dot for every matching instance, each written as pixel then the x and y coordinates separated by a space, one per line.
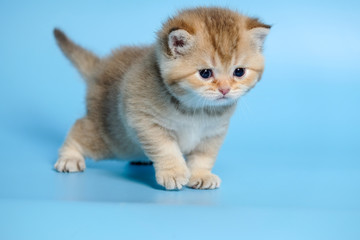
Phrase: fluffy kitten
pixel 170 102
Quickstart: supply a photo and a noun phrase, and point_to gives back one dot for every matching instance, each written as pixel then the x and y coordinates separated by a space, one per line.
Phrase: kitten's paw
pixel 204 180
pixel 174 178
pixel 67 164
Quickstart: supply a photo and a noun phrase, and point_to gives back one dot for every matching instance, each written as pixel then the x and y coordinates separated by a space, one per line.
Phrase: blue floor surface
pixel 290 165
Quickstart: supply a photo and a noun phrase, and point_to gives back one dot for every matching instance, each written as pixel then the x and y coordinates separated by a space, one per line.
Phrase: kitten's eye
pixel 206 73
pixel 239 72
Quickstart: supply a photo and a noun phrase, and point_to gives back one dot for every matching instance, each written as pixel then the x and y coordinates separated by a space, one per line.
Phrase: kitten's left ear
pixel 180 42
pixel 258 35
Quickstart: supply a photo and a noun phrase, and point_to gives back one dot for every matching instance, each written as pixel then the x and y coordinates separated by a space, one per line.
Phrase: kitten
pixel 170 102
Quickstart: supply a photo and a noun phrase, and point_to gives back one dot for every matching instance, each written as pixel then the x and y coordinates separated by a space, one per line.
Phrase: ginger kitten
pixel 170 102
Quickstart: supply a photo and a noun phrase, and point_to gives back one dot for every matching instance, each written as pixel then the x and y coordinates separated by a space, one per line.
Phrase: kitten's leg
pixel 71 157
pixel 83 140
pixel 169 163
pixel 200 162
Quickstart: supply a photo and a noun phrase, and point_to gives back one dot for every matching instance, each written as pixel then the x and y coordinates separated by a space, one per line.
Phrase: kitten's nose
pixel 224 91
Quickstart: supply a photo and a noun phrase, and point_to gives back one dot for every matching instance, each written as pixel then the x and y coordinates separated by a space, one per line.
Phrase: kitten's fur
pixel 152 102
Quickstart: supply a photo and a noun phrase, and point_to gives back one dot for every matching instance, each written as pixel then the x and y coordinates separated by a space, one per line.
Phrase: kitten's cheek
pixel 236 96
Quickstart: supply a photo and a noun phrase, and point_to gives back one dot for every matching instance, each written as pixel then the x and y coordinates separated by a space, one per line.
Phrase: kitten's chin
pixel 222 101
pixel 205 102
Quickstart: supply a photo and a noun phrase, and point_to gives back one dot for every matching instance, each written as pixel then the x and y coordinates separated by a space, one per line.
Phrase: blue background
pixel 290 164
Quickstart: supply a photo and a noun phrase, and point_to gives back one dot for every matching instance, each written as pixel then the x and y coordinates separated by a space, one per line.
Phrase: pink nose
pixel 224 91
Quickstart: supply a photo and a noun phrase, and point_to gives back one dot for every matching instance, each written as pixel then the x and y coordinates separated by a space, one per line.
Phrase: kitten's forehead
pixel 223 34
pixel 218 30
pixel 217 61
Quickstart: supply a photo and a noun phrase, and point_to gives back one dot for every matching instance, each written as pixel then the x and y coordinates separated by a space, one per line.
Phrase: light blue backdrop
pixel 290 164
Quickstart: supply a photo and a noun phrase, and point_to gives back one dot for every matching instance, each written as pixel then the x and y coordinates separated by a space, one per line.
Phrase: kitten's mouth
pixel 222 98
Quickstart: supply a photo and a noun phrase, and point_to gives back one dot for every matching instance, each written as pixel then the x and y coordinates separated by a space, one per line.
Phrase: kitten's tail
pixel 85 61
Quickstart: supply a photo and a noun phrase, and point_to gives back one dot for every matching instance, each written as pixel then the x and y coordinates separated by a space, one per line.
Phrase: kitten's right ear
pixel 180 42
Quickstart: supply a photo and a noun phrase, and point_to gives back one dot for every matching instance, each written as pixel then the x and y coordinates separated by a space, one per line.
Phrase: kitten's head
pixel 211 56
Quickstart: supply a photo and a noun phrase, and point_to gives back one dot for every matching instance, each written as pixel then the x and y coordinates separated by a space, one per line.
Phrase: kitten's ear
pixel 180 42
pixel 258 35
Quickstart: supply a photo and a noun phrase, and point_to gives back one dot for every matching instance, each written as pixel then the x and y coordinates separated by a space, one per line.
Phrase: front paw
pixel 204 180
pixel 173 178
pixel 70 164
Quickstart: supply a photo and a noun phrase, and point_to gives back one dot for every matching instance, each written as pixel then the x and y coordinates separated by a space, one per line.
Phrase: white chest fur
pixel 191 130
pixel 189 135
